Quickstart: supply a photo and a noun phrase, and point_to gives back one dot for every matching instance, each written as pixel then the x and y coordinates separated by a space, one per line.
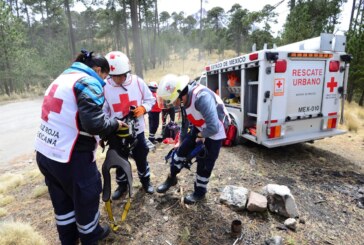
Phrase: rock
pixel 291 223
pixel 235 197
pixel 256 202
pixel 276 240
pixel 360 203
pixel 280 200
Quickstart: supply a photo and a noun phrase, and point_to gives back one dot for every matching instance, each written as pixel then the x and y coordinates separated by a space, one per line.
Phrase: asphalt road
pixel 19 122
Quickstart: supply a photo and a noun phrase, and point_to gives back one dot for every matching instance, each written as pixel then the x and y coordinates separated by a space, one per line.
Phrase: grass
pixel 5 200
pixel 352 115
pixel 19 234
pixel 3 212
pixel 34 174
pixel 9 181
pixel 191 67
pixel 39 190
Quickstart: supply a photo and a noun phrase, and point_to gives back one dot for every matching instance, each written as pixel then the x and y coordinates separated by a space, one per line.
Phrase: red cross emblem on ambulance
pixel 332 84
pixel 51 104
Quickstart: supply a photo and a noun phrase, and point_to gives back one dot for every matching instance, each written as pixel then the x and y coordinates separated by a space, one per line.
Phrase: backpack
pixel 171 130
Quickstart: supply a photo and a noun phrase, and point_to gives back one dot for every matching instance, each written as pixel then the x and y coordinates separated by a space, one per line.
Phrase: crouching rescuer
pixel 206 116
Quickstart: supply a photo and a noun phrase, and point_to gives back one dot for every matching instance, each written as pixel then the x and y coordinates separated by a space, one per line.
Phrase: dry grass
pixel 5 200
pixel 34 174
pixel 20 234
pixel 39 190
pixel 9 180
pixel 3 212
pixel 191 67
pixel 354 117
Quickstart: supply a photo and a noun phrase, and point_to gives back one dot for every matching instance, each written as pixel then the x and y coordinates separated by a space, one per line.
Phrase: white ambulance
pixel 285 95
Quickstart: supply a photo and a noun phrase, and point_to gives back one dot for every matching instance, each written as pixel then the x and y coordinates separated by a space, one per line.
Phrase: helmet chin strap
pixel 127 78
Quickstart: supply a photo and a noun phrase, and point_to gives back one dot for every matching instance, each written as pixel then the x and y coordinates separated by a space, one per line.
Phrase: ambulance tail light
pixel 253 56
pixel 281 66
pixel 274 132
pixel 207 68
pixel 334 66
pixel 331 123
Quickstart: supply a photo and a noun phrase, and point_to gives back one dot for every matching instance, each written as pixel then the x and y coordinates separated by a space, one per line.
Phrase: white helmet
pixel 153 85
pixel 170 87
pixel 119 63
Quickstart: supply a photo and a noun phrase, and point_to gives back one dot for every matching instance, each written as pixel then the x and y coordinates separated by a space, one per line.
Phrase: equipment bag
pixel 171 130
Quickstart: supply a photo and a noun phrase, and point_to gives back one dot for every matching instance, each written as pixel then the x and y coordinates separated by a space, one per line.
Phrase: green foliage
pixel 310 18
pixel 35 47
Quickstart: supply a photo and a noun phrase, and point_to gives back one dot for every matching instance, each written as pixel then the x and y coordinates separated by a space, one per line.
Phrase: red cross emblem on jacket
pixel 124 105
pixel 51 104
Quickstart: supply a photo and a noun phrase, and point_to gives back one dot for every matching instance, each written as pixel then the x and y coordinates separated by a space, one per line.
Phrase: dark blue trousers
pixel 139 154
pixel 153 124
pixel 74 189
pixel 205 164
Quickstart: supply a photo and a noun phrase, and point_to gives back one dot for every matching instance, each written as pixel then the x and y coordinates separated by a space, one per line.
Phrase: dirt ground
pixel 324 177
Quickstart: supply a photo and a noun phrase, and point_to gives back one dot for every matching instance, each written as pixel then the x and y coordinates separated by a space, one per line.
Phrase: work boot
pixel 105 231
pixel 151 139
pixel 193 198
pixel 170 181
pixel 148 188
pixel 121 190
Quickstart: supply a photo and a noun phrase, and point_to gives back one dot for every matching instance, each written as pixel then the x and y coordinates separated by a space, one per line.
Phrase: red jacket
pixel 155 108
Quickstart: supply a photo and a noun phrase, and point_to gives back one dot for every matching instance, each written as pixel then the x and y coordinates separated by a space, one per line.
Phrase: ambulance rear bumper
pixel 301 138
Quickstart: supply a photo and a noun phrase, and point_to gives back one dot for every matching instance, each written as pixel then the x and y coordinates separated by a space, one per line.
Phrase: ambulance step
pixel 250 137
pixel 301 138
pixel 252 114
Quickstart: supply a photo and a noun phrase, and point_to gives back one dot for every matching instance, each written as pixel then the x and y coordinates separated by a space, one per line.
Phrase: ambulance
pixel 285 95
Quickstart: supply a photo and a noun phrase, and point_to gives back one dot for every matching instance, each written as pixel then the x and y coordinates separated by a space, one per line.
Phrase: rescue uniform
pixel 207 114
pixel 153 116
pixel 71 114
pixel 119 98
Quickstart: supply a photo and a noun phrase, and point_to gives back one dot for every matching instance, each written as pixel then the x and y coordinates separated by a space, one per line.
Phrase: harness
pixel 199 151
pixel 120 146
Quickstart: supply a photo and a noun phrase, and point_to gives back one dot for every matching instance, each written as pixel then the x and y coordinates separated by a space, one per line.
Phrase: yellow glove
pixel 139 111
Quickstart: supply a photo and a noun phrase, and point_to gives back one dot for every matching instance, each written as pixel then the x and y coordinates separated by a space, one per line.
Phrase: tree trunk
pixel 139 7
pixel 200 34
pixel 361 100
pixel 350 92
pixel 149 47
pixel 352 15
pixel 17 8
pixel 136 38
pixel 293 4
pixel 71 36
pixel 155 30
pixel 117 34
pixel 126 30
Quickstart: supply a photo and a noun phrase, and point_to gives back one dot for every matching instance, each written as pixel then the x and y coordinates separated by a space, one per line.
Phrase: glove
pixel 139 111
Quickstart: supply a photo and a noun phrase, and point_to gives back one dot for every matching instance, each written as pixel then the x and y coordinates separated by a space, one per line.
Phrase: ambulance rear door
pixel 305 84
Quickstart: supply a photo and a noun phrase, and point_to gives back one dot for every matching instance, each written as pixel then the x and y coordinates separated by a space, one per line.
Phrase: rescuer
pixel 208 116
